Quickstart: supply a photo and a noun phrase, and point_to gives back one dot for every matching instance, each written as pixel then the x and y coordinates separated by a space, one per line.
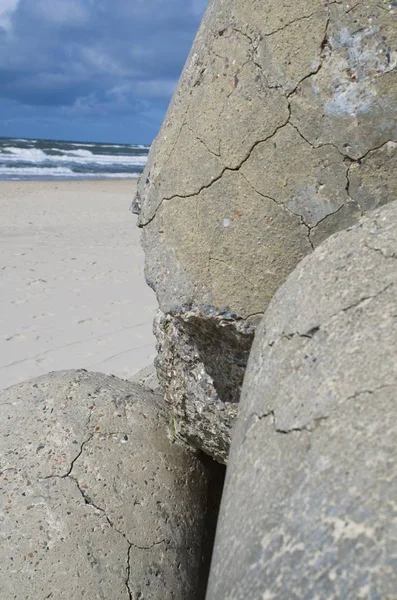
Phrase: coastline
pixel 73 293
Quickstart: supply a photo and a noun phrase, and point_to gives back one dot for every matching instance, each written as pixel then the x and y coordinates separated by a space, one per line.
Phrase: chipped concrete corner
pixel 189 366
pixel 272 142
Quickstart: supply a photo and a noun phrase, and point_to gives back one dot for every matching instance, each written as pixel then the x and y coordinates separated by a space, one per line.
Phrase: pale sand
pixel 72 289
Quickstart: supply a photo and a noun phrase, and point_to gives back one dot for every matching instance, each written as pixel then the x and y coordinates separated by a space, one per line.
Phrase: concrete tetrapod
pixel 310 509
pixel 282 131
pixel 96 502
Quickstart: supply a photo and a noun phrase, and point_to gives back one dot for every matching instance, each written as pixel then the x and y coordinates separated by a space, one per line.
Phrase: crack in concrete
pixel 286 25
pixel 215 179
pixel 380 251
pixel 353 7
pixel 374 391
pixel 333 213
pixel 258 314
pixel 127 581
pixel 318 327
pixel 196 193
pixel 243 33
pixel 76 458
pixel 316 421
pixel 229 266
pixel 88 501
pixel 357 160
pixel 194 134
pixel 282 205
pixel 319 145
pixel 282 28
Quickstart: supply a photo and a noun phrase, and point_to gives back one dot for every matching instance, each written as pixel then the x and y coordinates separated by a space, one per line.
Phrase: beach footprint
pixel 16 337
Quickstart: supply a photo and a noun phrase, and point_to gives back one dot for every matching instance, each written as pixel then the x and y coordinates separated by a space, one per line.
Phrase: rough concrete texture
pixel 272 142
pixel 309 508
pixel 207 423
pixel 148 378
pixel 96 502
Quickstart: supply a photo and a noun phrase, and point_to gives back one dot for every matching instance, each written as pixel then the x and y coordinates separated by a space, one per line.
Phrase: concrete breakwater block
pixel 282 131
pixel 95 500
pixel 309 509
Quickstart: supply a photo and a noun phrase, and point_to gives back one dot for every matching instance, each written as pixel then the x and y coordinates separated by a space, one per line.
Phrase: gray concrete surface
pixel 95 501
pixel 281 132
pixel 309 507
pixel 148 378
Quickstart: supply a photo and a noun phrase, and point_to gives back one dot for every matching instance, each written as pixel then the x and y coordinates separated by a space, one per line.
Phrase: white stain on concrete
pixel 354 62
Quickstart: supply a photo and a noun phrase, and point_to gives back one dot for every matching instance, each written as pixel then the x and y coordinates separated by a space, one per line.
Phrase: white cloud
pixel 99 61
pixel 7 9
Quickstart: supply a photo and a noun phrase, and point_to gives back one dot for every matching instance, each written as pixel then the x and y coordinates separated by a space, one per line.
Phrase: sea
pixel 27 159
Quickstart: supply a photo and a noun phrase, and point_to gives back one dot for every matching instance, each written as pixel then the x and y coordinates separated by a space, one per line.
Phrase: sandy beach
pixel 72 289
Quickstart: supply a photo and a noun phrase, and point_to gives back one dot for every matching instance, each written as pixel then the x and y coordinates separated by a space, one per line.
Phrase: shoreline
pixel 73 293
pixel 133 179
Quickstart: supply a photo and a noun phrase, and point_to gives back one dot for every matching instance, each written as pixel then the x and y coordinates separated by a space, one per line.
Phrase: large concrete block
pixel 96 501
pixel 309 508
pixel 281 132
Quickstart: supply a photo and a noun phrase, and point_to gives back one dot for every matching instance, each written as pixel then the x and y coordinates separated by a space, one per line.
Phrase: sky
pixel 92 70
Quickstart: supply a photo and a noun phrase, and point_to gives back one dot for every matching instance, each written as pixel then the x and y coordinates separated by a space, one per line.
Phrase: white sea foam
pixel 8 171
pixel 103 159
pixel 25 154
pixel 81 145
pixel 74 152
pixel 79 157
pixel 69 160
pixel 57 172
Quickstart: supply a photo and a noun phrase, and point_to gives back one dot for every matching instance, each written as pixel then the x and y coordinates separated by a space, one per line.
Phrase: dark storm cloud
pixel 92 61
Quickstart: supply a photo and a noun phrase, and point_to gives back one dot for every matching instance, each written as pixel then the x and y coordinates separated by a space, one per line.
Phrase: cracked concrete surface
pixel 313 459
pixel 281 132
pixel 96 501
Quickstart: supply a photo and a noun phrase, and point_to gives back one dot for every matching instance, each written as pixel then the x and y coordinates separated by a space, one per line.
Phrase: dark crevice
pixel 127 581
pixel 216 480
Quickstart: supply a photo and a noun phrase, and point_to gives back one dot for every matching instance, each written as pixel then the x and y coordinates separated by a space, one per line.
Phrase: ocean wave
pixel 85 153
pixel 57 173
pixel 82 157
pixel 36 171
pixel 51 159
pixel 93 145
pixel 25 154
